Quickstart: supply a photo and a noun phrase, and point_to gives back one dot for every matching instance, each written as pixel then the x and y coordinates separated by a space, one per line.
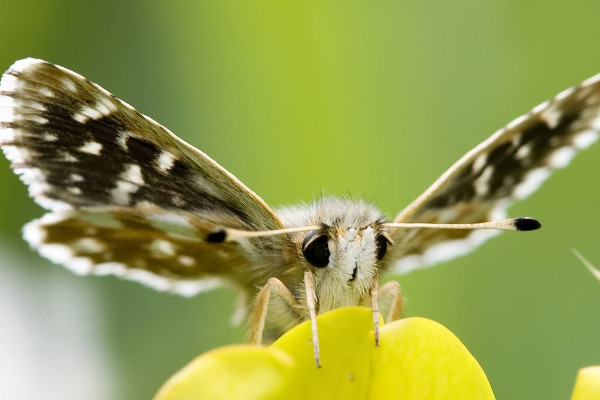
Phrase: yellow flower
pixel 417 359
pixel 587 385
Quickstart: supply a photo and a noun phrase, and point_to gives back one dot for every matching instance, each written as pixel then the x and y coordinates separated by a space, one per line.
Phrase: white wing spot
pixel 149 279
pixel 49 137
pixel 162 247
pixel 131 180
pixel 74 190
pixel 122 139
pixel 49 204
pixel 551 116
pixel 111 268
pixel 79 265
pixel 482 184
pixel 37 118
pixel 62 254
pixel 16 154
pixel 516 140
pixel 102 109
pixel 479 163
pixel 88 245
pixel 595 123
pixel 186 261
pixel 91 147
pixel 165 161
pixel 86 113
pixel 121 193
pixel 11 84
pixel 44 91
pixel 7 108
pixel 33 105
pixel 191 288
pixel 585 139
pixel 68 84
pixel 34 234
pixel 67 157
pixel 133 174
pixel 523 152
pixel 8 135
pixel 562 157
pixel 30 176
pixel 76 178
pixel 38 189
pixel 107 104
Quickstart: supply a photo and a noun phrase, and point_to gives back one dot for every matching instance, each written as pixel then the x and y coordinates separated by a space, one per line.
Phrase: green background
pixel 372 98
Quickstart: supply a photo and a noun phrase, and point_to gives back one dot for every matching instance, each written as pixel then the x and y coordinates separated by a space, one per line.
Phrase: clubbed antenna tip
pixel 527 224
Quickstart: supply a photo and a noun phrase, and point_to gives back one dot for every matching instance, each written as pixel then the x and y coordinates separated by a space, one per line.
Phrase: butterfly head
pixel 345 262
pixel 345 253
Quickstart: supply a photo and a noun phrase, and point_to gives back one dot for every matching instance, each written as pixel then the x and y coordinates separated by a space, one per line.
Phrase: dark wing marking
pixel 507 167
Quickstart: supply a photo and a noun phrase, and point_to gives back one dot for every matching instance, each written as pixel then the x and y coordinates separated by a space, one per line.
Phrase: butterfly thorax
pixel 343 255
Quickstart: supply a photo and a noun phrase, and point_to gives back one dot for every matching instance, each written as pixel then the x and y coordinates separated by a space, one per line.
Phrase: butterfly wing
pixel 507 167
pixel 164 250
pixel 90 158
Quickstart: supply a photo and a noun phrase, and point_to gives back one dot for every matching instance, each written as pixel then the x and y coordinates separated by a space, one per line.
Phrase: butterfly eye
pixel 316 249
pixel 382 244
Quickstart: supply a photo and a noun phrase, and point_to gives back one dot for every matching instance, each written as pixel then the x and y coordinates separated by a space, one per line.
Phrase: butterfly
pixel 127 197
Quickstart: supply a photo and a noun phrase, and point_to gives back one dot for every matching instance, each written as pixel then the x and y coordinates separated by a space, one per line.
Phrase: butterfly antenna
pixel 229 234
pixel 512 224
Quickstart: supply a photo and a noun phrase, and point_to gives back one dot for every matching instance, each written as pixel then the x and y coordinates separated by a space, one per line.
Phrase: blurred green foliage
pixel 372 98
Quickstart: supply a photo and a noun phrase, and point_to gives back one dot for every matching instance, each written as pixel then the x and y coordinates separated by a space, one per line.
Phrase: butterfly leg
pixel 391 295
pixel 285 301
pixel 374 291
pixel 311 303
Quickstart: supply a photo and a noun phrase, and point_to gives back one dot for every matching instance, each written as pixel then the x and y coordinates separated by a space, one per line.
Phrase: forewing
pixel 507 167
pixel 76 145
pixel 89 157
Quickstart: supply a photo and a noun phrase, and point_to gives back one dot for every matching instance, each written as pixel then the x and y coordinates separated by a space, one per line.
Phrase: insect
pixel 129 198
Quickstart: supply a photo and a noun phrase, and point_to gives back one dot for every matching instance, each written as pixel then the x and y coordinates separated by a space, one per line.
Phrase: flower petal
pixel 346 341
pixel 417 359
pixel 232 372
pixel 420 359
pixel 587 385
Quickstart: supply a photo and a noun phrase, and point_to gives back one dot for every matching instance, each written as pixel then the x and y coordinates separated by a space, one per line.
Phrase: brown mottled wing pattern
pixel 90 158
pixel 161 249
pixel 507 167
